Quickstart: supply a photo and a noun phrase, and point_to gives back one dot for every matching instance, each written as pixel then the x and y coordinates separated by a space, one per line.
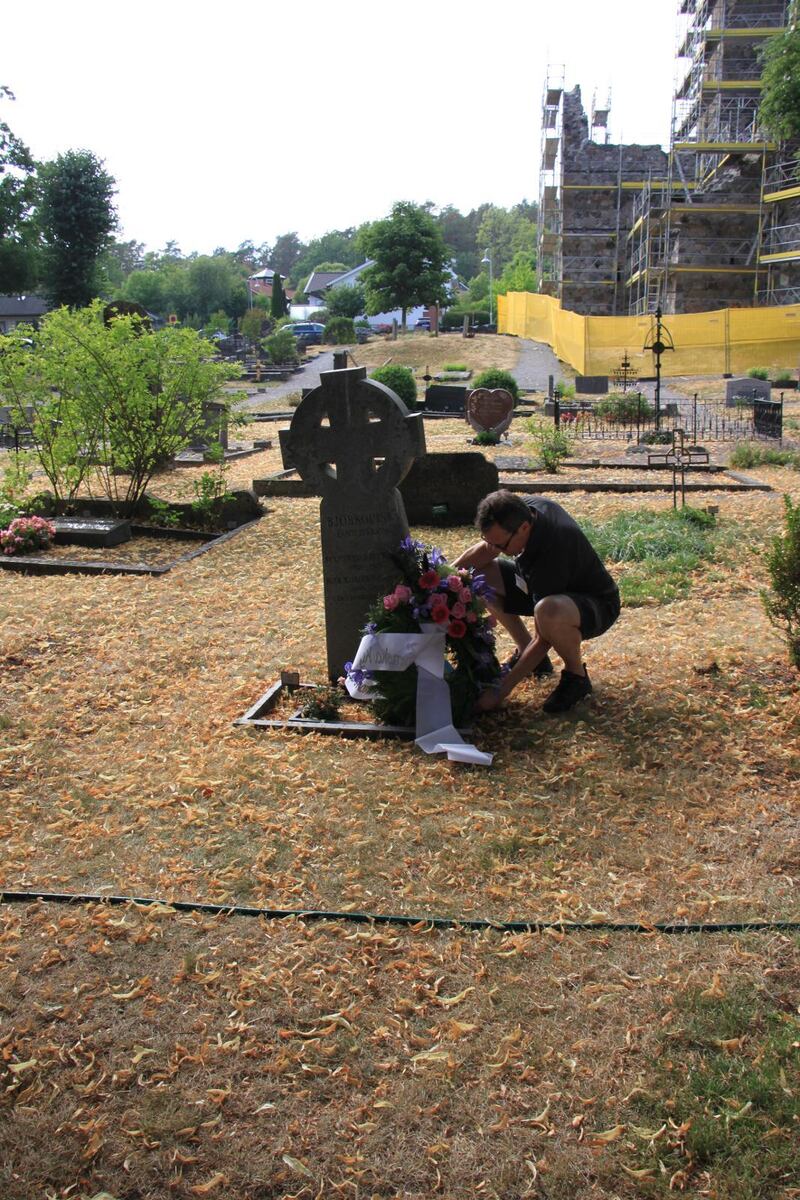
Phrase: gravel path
pixel 307 378
pixel 536 362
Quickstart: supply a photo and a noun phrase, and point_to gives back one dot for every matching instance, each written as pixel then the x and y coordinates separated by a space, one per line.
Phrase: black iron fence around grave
pixel 712 420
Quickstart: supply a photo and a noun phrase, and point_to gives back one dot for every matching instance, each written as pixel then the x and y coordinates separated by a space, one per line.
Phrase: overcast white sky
pixel 227 122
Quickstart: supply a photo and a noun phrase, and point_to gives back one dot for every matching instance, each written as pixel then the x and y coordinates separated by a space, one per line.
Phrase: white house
pixel 321 281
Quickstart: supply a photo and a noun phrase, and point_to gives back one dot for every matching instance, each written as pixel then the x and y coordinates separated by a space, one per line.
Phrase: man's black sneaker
pixel 570 690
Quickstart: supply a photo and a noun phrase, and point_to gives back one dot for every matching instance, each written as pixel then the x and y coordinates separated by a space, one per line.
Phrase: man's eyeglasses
pixel 505 544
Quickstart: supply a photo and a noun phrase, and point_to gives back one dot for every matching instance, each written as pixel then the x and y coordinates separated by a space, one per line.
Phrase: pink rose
pixel 472 617
pixel 465 595
pixel 454 583
pixel 457 610
pixel 403 593
pixel 390 603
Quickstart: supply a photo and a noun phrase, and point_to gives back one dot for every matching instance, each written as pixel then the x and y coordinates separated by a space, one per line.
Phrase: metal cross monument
pixel 353 441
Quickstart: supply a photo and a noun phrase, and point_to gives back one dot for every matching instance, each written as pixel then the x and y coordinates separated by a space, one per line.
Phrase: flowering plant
pixel 432 591
pixel 26 534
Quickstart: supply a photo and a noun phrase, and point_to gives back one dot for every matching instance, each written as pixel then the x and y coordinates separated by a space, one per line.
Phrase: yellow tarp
pixel 707 343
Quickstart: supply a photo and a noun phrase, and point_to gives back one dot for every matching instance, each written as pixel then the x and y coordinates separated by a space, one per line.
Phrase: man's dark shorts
pixel 598 613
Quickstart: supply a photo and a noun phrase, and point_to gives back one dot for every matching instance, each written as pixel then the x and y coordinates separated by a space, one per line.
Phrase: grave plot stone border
pixel 42 565
pixel 256 716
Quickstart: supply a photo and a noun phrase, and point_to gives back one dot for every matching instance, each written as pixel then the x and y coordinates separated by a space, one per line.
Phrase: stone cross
pixel 353 441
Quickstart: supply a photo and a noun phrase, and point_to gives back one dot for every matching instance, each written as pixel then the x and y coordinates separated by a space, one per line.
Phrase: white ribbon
pixel 436 733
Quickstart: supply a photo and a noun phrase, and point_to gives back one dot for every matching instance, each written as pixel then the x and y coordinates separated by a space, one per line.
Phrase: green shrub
pixel 758 373
pixel 564 391
pixel 782 603
pixel 783 375
pixel 624 408
pixel 281 347
pixel 495 378
pixel 454 318
pixel 487 437
pixel 400 380
pixel 455 367
pixel 551 443
pixel 751 454
pixel 339 331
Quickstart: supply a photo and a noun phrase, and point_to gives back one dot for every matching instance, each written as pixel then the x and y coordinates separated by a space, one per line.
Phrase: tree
pixel 346 301
pixel 779 110
pixel 279 305
pixel 17 194
pixel 76 216
pixel 410 259
pixel 285 253
pixel 460 235
pixel 111 398
pixel 519 275
pixel 504 234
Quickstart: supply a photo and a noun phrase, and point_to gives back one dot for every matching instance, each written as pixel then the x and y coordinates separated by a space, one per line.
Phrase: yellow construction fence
pixel 729 340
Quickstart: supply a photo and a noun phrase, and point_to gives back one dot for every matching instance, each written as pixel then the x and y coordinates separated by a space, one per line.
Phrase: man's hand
pixel 488 700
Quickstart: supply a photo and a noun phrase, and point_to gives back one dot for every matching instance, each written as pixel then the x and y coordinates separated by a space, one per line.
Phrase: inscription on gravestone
pixel 352 440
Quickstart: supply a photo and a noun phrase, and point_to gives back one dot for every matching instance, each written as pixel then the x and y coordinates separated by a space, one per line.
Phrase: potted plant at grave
pixel 432 592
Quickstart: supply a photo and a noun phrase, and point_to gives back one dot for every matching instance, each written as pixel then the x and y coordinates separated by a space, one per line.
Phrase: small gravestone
pixel 746 389
pixel 444 489
pixel 91 531
pixel 444 398
pixel 352 441
pixel 490 409
pixel 591 385
pixel 214 427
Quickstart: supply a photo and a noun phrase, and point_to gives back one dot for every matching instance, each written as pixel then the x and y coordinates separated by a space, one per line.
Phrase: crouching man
pixel 541 565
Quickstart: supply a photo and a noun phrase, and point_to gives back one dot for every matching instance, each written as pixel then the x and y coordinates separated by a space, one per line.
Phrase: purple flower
pixel 435 556
pixel 370 627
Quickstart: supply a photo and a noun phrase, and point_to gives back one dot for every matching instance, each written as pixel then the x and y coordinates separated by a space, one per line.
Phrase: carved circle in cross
pixel 352 435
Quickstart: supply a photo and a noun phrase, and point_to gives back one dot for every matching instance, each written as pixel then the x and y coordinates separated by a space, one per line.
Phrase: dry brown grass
pixel 147 1054
pixel 421 350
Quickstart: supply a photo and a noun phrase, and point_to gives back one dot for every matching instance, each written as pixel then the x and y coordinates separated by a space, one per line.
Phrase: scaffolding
pixel 779 256
pixel 697 235
pixel 550 216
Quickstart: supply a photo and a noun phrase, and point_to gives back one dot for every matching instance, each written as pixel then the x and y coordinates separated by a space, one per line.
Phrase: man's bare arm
pixel 479 555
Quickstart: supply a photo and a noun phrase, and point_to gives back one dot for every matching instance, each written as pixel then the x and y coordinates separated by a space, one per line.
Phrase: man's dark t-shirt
pixel 559 558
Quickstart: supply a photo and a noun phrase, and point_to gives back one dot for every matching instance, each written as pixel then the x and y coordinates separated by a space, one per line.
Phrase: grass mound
pixel 662 548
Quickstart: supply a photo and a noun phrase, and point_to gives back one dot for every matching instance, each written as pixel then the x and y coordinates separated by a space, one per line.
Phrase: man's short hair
pixel 504 509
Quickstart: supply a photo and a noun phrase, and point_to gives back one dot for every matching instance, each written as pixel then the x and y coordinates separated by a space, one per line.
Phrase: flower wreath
pixel 432 591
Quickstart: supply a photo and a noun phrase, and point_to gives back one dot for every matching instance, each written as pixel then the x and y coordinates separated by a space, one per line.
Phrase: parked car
pixel 308 332
pixel 423 323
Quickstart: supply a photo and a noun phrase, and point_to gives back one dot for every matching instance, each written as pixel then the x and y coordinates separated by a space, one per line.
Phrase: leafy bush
pixel 494 377
pixel 758 373
pixel 400 380
pixel 751 454
pixel 339 331
pixel 624 408
pixel 281 347
pixel 487 437
pixel 455 367
pixel 113 400
pixel 17 475
pixel 551 443
pixel 782 604
pixel 454 318
pixel 564 391
pixel 783 375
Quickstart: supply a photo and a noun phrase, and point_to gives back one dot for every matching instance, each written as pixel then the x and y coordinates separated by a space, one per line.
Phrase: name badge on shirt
pixel 521 584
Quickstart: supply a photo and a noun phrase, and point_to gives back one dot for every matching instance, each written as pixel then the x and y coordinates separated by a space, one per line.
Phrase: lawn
pixel 146 1052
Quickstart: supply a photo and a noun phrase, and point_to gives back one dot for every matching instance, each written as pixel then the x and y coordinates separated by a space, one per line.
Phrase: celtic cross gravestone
pixel 353 441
